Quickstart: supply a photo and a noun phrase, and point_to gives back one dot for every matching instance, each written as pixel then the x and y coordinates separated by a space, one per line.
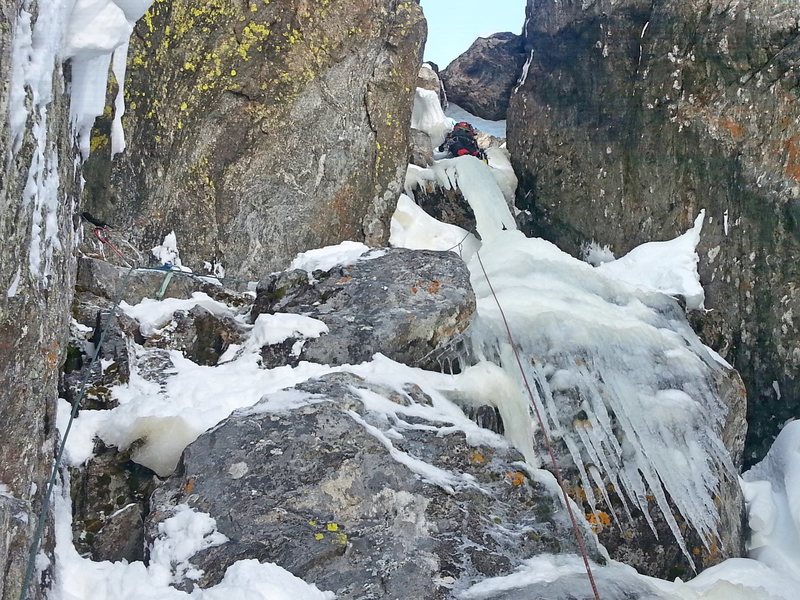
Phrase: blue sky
pixel 454 24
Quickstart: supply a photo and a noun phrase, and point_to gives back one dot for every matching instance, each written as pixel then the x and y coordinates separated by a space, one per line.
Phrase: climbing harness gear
pixel 545 436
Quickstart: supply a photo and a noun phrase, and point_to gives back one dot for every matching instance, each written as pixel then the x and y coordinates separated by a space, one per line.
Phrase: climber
pixel 461 141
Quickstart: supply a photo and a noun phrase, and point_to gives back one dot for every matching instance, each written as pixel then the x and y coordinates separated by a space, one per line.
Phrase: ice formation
pixel 669 267
pixel 428 116
pixel 618 375
pixel 772 492
pixel 87 33
pixel 96 31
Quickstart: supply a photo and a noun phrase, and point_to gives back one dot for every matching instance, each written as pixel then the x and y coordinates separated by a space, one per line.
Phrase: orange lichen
pixel 598 520
pixel 476 458
pixel 792 147
pixel 734 128
pixel 516 478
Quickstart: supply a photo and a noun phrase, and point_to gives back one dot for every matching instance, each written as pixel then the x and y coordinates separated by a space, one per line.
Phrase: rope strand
pixel 40 525
pixel 556 468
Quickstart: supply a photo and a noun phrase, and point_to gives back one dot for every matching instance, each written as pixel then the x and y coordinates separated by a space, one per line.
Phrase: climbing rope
pixel 40 525
pixel 101 234
pixel 546 437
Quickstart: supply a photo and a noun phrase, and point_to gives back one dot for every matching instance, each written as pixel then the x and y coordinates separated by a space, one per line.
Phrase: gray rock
pixel 421 149
pixel 315 492
pixel 481 80
pixel 405 304
pixel 34 297
pixel 640 114
pixel 294 136
pixel 446 205
pixel 112 368
pixel 428 79
pixel 109 499
pixel 121 537
pixel 201 335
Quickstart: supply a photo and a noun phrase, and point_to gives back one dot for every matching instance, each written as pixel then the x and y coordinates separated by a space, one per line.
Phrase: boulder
pixel 327 492
pixel 405 304
pixel 641 114
pixel 482 78
pixel 258 130
pixel 445 205
pixel 428 79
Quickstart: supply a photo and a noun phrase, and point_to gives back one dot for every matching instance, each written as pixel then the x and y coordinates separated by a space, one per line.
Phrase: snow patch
pixel 668 267
pixel 428 116
pixel 324 259
pixel 167 252
pixel 275 328
pixel 413 228
pixel 154 314
pixel 180 537
pixel 493 128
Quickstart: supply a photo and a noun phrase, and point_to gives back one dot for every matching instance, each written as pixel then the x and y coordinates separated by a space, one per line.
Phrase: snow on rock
pixel 86 32
pixel 78 578
pixel 494 128
pixel 413 228
pixel 477 182
pixel 669 267
pixel 429 117
pixel 154 314
pixel 324 259
pixel 772 492
pixel 34 61
pixel 167 252
pixel 181 536
pixel 274 328
pixel 164 419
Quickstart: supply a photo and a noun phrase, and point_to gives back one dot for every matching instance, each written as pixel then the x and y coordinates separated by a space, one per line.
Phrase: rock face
pixel 481 80
pixel 266 128
pixel 321 491
pixel 641 114
pixel 36 278
pixel 405 304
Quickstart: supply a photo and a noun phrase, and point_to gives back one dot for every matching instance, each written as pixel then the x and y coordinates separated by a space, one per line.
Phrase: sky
pixel 454 24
